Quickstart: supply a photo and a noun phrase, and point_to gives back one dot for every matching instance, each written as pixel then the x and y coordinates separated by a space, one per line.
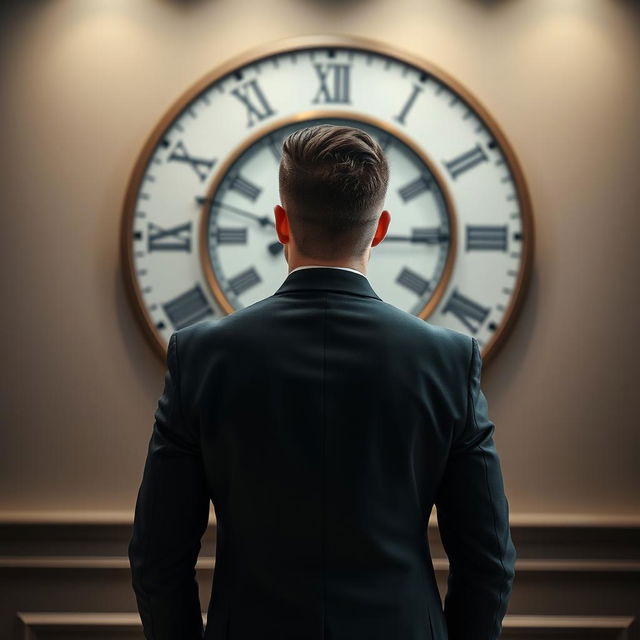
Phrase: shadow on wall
pixel 186 4
pixel 489 3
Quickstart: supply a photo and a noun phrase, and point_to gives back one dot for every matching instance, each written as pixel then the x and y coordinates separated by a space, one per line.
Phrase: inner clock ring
pixel 226 289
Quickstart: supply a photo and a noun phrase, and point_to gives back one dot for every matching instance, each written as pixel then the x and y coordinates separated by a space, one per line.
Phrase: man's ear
pixel 381 229
pixel 282 224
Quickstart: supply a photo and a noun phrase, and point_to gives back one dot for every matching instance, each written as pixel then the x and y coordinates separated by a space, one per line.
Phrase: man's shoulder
pixel 421 329
pixel 225 326
pixel 416 333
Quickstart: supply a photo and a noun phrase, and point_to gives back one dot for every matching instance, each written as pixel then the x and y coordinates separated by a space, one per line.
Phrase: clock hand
pixel 429 236
pixel 263 220
pixel 432 236
pixel 275 248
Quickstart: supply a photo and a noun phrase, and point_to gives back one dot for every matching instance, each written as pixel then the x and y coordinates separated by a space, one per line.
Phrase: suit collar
pixel 327 279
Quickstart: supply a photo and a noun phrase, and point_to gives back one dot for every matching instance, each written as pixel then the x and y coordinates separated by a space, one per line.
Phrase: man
pixel 323 423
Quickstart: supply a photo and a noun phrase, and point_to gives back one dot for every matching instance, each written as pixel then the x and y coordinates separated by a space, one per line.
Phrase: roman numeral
pixel 201 166
pixel 413 281
pixel 334 83
pixel 408 104
pixel 384 140
pixel 187 308
pixel 470 313
pixel 466 161
pixel 275 146
pixel 231 235
pixel 245 187
pixel 173 239
pixel 250 94
pixel 486 238
pixel 415 187
pixel 244 280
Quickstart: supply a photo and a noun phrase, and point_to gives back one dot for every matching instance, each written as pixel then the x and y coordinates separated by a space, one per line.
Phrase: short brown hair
pixel 333 181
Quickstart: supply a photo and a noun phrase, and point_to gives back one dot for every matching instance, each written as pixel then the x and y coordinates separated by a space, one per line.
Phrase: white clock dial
pixel 198 238
pixel 244 258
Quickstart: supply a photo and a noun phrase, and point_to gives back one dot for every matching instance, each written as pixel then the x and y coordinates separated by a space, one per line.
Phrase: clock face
pixel 198 232
pixel 243 258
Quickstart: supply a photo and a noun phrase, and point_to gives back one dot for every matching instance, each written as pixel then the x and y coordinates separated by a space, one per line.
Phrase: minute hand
pixel 428 235
pixel 263 220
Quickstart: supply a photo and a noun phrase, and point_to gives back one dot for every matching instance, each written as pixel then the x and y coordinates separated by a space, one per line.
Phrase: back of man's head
pixel 333 181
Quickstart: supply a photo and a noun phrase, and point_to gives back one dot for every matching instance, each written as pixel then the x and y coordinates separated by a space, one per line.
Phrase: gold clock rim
pixel 285 45
pixel 315 114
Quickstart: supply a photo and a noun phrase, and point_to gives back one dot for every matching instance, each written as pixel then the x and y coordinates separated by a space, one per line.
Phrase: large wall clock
pixel 198 235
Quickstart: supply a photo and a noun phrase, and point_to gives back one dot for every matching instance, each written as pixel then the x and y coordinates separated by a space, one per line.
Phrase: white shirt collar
pixel 325 266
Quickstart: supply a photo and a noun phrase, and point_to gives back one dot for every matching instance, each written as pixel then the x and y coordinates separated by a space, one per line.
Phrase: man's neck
pixel 358 265
pixel 328 266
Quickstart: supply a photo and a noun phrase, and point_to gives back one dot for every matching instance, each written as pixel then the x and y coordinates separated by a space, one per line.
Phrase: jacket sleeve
pixel 171 516
pixel 473 519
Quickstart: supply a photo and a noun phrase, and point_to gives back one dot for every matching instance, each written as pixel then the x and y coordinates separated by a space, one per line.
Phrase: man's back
pixel 328 423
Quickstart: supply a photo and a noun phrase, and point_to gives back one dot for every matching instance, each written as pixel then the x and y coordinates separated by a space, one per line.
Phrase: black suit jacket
pixel 323 423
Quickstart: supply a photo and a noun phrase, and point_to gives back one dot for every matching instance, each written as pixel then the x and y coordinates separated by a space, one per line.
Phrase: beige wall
pixel 84 81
